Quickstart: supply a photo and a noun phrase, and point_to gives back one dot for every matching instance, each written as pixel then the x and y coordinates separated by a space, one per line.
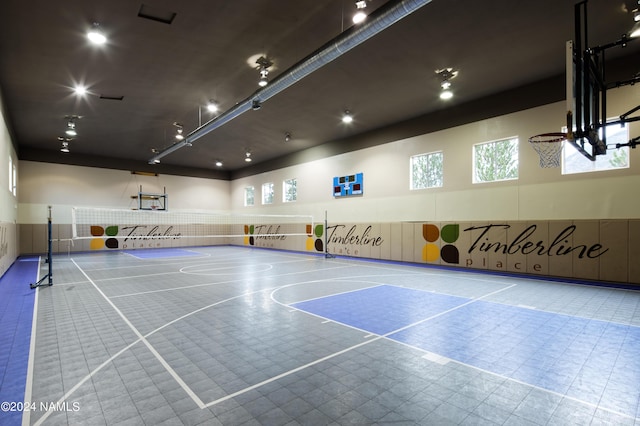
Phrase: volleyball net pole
pixel 327 255
pixel 49 276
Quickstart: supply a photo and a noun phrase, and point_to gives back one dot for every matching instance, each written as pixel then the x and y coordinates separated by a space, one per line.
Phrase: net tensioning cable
pixel 119 223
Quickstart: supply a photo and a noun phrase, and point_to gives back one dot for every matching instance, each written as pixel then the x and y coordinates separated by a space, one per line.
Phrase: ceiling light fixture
pixel 65 147
pixel 71 125
pixel 347 117
pixel 95 35
pixel 287 137
pixel 446 75
pixel 218 163
pixel 247 157
pixel 212 106
pixel 263 69
pixel 360 15
pixel 80 90
pixel 179 131
pixel 635 30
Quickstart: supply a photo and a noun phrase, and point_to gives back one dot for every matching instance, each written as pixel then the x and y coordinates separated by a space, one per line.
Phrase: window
pixel 267 193
pixel 13 176
pixel 10 174
pixel 616 158
pixel 289 190
pixel 495 161
pixel 426 170
pixel 14 184
pixel 249 196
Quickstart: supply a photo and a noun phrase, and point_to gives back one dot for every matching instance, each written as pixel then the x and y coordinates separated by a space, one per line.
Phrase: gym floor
pixel 244 336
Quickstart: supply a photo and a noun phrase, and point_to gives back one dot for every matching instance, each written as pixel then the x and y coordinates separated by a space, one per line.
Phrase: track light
pixel 347 117
pixel 263 69
pixel 65 147
pixel 247 157
pixel 218 163
pixel 446 75
pixel 71 129
pixel 179 131
pixel 71 125
pixel 360 15
pixel 212 106
pixel 256 105
pixel 95 35
pixel 287 137
pixel 263 77
pixel 635 31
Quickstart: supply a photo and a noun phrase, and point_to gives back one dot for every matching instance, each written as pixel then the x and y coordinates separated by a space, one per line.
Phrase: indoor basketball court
pixel 475 264
pixel 199 335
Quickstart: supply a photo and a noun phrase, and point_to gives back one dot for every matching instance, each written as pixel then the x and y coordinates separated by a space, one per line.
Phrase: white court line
pixel 386 336
pixel 83 381
pixel 160 273
pixel 155 353
pixel 143 338
pixel 198 255
pixel 28 389
pixel 335 354
pixel 140 293
pixel 375 284
pixel 438 359
pixel 144 265
pixel 298 369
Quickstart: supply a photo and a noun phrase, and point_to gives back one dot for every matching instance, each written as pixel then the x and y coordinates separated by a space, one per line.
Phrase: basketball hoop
pixel 549 147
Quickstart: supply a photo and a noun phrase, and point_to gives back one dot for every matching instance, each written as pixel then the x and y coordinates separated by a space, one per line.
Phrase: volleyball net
pixel 89 223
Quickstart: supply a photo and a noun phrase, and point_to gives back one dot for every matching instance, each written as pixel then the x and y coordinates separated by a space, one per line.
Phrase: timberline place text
pixel 524 243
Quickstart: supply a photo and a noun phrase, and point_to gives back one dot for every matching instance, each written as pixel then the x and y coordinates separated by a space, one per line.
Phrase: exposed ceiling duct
pixel 380 20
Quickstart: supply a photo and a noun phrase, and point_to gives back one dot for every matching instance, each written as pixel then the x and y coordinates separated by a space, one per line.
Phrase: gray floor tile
pixel 235 344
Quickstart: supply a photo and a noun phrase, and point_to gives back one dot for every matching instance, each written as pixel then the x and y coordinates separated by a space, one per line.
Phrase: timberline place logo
pixel 100 243
pixel 136 236
pixel 440 243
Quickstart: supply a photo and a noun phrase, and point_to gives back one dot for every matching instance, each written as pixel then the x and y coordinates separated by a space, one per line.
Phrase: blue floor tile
pixel 568 355
pixel 16 316
pixel 381 309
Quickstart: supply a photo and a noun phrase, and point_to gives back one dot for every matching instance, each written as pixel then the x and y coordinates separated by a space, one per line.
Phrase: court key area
pixel 229 335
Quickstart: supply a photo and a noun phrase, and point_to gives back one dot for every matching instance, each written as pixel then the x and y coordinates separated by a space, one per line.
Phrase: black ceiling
pixel 506 51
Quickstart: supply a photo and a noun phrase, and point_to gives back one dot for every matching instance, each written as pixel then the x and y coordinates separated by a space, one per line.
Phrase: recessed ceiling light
pixel 347 117
pixel 80 90
pixel 96 36
pixel 212 106
pixel 218 163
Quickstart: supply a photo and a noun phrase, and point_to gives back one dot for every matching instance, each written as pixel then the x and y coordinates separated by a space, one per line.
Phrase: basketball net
pixel 549 147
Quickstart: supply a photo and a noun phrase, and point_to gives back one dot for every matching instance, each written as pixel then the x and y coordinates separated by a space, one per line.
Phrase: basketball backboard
pixel 587 90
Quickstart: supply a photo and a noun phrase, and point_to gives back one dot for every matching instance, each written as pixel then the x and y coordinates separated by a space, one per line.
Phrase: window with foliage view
pixel 267 193
pixel 495 161
pixel 615 158
pixel 426 170
pixel 249 196
pixel 289 190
